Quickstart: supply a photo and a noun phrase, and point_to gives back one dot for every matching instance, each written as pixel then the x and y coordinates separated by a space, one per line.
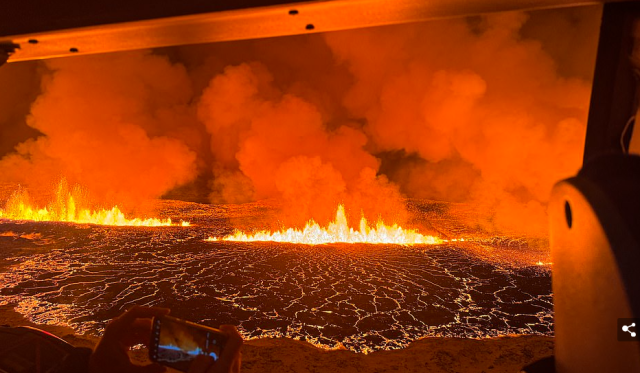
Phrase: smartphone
pixel 175 343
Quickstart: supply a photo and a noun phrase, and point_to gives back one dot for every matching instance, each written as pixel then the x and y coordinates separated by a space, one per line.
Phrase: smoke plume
pixel 483 112
pixel 111 124
pixel 487 110
pixel 271 144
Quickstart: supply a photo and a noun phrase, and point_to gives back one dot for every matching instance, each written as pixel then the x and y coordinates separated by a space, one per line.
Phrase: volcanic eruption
pixel 70 206
pixel 438 142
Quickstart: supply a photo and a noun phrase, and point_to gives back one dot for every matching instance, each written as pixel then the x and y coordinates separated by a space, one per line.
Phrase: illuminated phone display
pixel 176 343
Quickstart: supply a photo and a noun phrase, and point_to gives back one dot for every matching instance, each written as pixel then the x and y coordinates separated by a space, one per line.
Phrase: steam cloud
pixel 490 110
pixel 110 124
pixel 489 119
pixel 284 150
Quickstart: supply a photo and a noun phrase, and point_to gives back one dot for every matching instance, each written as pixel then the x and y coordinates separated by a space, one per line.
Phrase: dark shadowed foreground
pixel 433 355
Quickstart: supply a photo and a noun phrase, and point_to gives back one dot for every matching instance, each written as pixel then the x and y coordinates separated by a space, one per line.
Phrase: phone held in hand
pixel 175 343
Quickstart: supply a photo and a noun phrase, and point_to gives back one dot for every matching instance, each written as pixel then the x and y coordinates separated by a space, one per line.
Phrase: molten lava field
pixel 364 297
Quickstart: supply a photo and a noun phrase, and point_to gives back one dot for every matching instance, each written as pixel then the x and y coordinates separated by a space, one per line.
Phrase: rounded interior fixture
pixel 567 213
pixel 293 12
pixel 310 26
pixel 73 50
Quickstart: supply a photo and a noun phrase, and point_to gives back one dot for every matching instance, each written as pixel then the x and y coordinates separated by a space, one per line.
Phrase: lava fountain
pixel 338 231
pixel 68 206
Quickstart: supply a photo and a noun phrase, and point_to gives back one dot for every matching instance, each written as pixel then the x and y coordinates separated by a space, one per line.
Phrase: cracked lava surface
pixel 364 297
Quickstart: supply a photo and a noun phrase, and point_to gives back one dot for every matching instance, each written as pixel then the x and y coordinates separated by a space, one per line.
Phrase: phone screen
pixel 177 342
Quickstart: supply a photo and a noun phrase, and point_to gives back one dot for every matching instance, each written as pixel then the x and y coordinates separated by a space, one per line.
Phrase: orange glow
pixel 69 207
pixel 338 231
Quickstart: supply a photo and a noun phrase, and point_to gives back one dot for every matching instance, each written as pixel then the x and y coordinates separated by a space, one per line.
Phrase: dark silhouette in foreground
pixel 134 327
pixel 27 349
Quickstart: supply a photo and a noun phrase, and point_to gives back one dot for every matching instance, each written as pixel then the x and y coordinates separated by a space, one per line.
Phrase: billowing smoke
pixel 479 112
pixel 270 144
pixel 489 110
pixel 111 124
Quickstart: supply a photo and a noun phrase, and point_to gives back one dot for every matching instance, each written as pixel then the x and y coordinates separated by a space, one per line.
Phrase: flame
pixel 67 207
pixel 338 231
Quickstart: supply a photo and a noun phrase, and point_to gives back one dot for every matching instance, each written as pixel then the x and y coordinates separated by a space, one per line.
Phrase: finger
pixel 138 333
pixel 142 327
pixel 118 328
pixel 237 361
pixel 231 350
pixel 234 338
pixel 142 324
pixel 140 312
pixel 201 364
pixel 151 368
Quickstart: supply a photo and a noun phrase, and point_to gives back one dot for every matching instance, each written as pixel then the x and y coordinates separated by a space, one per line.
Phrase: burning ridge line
pixel 338 231
pixel 66 207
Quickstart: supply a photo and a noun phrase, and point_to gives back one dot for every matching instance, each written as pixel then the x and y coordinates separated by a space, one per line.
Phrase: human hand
pixel 131 328
pixel 230 358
